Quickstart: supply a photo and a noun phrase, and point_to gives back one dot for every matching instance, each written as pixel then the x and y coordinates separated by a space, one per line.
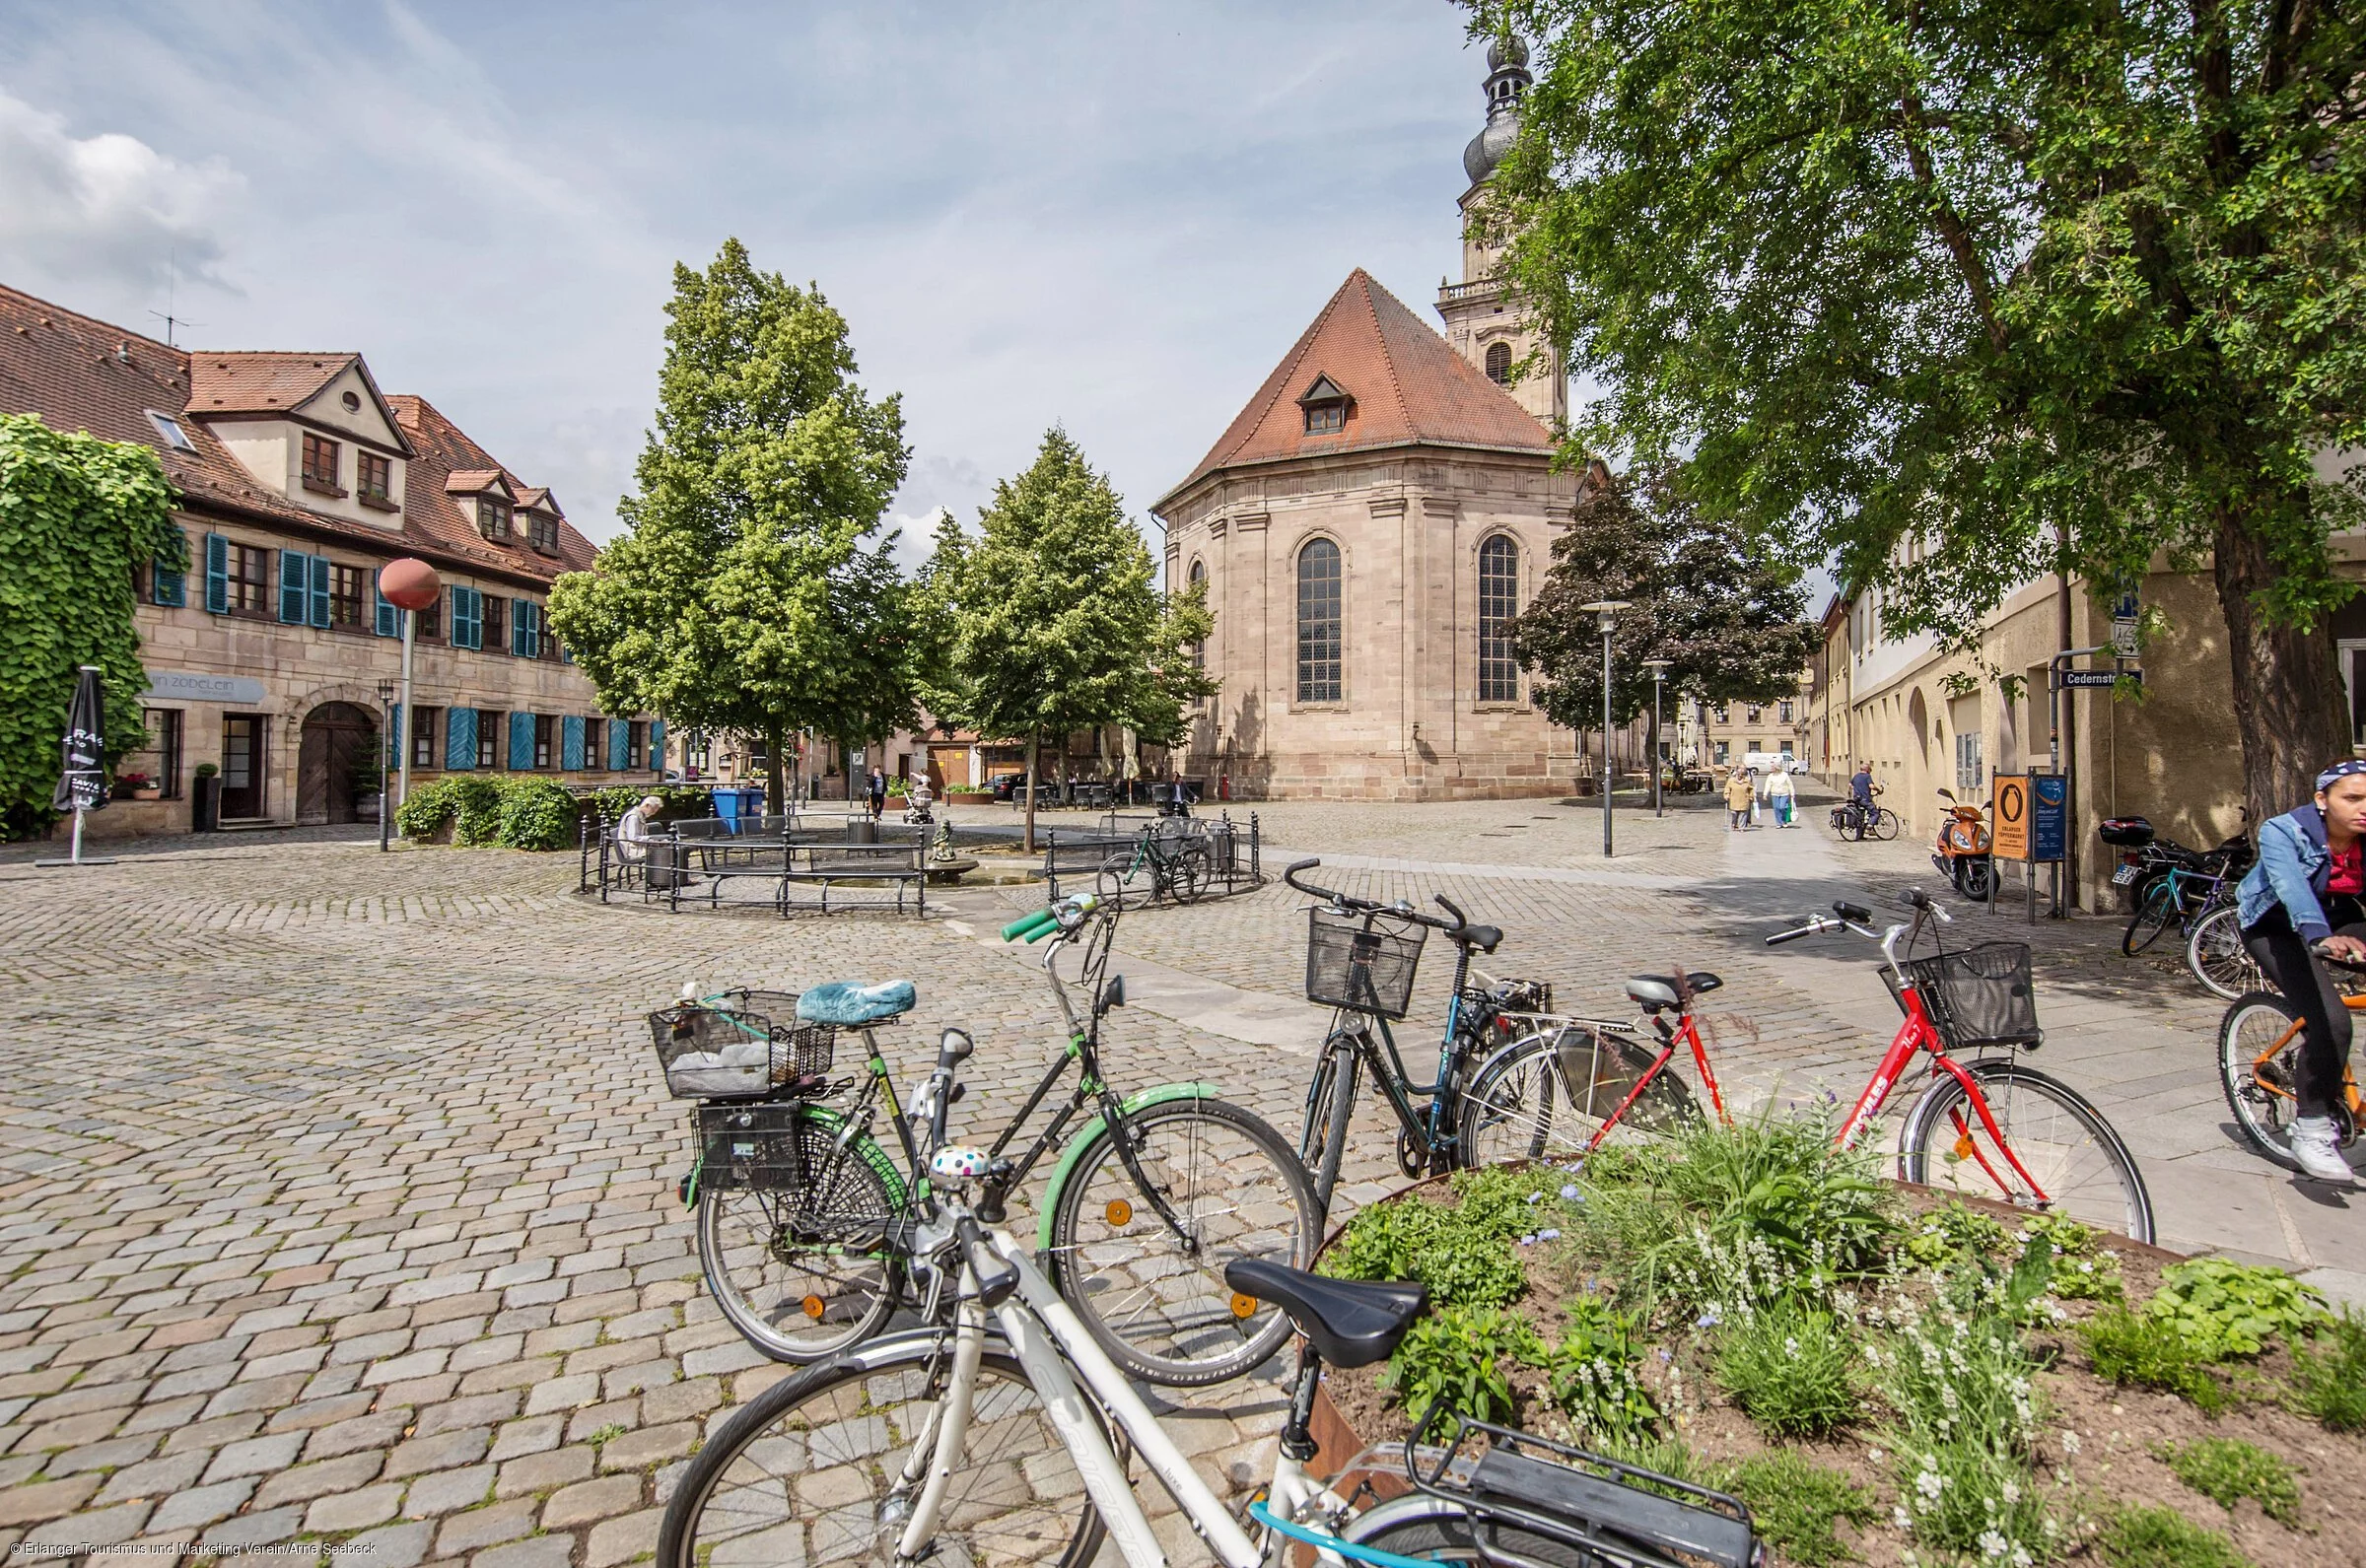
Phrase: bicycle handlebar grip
pixel 1780 937
pixel 954 1047
pixel 1026 924
pixel 993 1289
pixel 1916 899
pixel 1460 920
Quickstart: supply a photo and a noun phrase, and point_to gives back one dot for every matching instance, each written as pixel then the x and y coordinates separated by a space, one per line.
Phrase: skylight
pixel 170 429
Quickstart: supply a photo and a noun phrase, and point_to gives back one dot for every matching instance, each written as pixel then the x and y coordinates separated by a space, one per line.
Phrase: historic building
pixel 298 480
pixel 1367 524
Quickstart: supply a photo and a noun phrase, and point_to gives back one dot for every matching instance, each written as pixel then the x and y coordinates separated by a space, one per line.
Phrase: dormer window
pixel 373 479
pixel 321 463
pixel 493 517
pixel 1326 407
pixel 543 529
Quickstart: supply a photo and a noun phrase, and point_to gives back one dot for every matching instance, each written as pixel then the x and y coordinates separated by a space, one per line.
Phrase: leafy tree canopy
pixel 78 516
pixel 1724 616
pixel 2032 287
pixel 752 589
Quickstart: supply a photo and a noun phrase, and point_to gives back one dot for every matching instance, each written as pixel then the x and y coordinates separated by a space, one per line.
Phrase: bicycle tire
pixel 1525 1102
pixel 1323 1136
pixel 1885 824
pixel 1441 1530
pixel 2083 1167
pixel 829 1417
pixel 2260 1094
pixel 1115 879
pixel 2152 918
pixel 778 1271
pixel 2216 956
pixel 1190 874
pixel 1156 1301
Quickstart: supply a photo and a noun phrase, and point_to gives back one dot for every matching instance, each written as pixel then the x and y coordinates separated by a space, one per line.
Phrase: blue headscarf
pixel 2339 770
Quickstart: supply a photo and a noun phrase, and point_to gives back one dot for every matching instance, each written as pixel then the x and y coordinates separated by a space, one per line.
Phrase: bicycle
pixel 999 1434
pixel 1858 823
pixel 805 1222
pixel 2183 893
pixel 2216 956
pixel 2259 1061
pixel 1173 851
pixel 1361 957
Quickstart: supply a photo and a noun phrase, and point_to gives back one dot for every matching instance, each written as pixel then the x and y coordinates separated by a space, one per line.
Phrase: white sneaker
pixel 2314 1151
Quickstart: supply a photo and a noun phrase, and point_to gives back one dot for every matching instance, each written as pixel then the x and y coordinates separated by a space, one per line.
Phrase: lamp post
pixel 1606 613
pixel 385 727
pixel 1659 679
pixel 410 586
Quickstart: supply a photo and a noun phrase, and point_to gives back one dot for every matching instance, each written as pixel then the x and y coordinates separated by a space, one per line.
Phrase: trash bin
pixel 727 809
pixel 862 830
pixel 751 802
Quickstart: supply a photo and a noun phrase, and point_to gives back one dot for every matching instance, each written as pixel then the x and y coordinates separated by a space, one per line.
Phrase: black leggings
pixel 2324 1020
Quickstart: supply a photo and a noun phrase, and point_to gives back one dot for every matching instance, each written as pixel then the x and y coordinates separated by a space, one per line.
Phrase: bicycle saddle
pixel 846 1005
pixel 1655 991
pixel 1352 1322
pixel 1483 937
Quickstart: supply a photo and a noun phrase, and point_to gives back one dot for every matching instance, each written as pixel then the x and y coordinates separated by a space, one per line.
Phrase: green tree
pixel 1983 290
pixel 1723 614
pixel 78 516
pixel 752 589
pixel 1054 624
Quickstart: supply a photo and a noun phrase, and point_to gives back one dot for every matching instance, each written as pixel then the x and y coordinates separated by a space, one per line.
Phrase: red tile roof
pixel 1407 387
pixel 78 373
pixel 244 381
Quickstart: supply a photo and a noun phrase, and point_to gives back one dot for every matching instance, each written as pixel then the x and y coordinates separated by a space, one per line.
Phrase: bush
pixel 1792 1370
pixel 2161 1537
pixel 2227 1470
pixel 1464 1253
pixel 1461 1353
pixel 535 814
pixel 520 811
pixel 1794 1505
pixel 2151 1353
pixel 2329 1375
pixel 680 802
pixel 2228 1309
pixel 1591 1373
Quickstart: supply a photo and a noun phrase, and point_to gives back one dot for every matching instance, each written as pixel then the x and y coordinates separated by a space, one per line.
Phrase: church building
pixel 1366 525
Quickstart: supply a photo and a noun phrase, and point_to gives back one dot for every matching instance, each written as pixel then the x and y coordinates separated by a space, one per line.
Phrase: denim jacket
pixel 2293 868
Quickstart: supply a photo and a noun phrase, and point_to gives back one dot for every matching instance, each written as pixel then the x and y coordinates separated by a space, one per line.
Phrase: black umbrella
pixel 81 783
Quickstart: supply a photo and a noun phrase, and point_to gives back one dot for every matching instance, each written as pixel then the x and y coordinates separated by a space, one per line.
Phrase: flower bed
pixel 1884 1375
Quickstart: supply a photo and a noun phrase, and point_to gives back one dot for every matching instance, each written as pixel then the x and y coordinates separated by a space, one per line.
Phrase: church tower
pixel 1485 325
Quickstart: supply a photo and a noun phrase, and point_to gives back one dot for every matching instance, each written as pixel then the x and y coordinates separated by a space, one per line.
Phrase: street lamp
pixel 1659 679
pixel 385 727
pixel 1606 613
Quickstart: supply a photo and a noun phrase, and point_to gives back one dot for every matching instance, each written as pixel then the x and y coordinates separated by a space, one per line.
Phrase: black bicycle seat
pixel 1352 1322
pixel 1655 991
pixel 1483 937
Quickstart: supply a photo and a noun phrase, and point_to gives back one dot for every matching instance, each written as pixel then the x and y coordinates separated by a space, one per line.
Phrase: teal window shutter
pixel 465 628
pixel 570 743
pixel 657 745
pixel 395 740
pixel 518 628
pixel 619 744
pixel 389 621
pixel 168 586
pixel 217 574
pixel 295 588
pixel 321 591
pixel 521 742
pixel 460 738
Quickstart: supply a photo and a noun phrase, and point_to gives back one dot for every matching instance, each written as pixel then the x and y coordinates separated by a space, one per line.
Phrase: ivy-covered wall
pixel 76 515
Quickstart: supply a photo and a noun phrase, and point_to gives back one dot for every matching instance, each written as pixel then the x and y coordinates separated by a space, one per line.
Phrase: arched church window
pixel 1319 622
pixel 1199 649
pixel 1498 602
pixel 1499 363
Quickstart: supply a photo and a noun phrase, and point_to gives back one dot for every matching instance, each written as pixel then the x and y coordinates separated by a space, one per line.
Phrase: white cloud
pixel 107 207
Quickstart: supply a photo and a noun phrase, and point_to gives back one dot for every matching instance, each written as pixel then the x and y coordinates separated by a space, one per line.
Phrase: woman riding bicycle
pixel 2308 890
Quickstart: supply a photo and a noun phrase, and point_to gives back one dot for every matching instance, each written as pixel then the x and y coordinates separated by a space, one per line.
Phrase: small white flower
pixel 2012 1492
pixel 1930 1484
pixel 1901 1518
pixel 1873 1454
pixel 2070 1444
pixel 1992 1546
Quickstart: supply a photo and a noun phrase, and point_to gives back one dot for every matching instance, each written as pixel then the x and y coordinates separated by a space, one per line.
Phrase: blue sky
pixel 1112 215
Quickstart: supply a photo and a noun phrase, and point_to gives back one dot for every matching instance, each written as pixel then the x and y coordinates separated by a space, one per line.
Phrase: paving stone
pixel 649 1445
pixel 29 1505
pixel 153 1478
pixel 540 1473
pixel 394 1546
pixel 112 1453
pixel 482 1409
pixel 533 1435
pixel 442 1451
pixel 307 1481
pixel 563 1394
pixel 202 1505
pixel 543 1551
pixel 449 1491
pixel 255 1454
pixel 486 1527
pixel 255 1530
pixel 104 1527
pixel 355 1510
pixel 590 1501
pixel 621 1540
pixel 377 1429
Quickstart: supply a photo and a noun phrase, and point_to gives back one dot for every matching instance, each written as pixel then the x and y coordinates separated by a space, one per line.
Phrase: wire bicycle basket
pixel 1354 961
pixel 740 1042
pixel 1980 997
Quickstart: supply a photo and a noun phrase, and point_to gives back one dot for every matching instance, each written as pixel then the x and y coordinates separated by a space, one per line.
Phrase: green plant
pixel 1792 1369
pixel 1796 1505
pixel 1463 1252
pixel 535 814
pixel 2228 1309
pixel 1945 1233
pixel 2162 1538
pixel 606 1433
pixel 1963 1387
pixel 2227 1470
pixel 2150 1352
pixel 1590 1370
pixel 521 811
pixel 207 769
pixel 2083 1271
pixel 1462 1354
pixel 2328 1374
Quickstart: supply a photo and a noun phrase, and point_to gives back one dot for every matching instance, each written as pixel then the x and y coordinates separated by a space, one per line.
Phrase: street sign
pixel 2009 838
pixel 2123 638
pixel 2091 679
pixel 2048 817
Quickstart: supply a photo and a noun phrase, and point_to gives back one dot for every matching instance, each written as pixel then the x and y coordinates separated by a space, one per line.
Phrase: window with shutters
pixel 493 517
pixel 492 631
pixel 1498 602
pixel 247 574
pixel 347 586
pixel 373 480
pixel 636 745
pixel 1499 363
pixel 320 464
pixel 460 738
pixel 167 585
pixel 430 627
pixel 423 737
pixel 545 732
pixel 1319 623
pixel 488 732
pixel 525 633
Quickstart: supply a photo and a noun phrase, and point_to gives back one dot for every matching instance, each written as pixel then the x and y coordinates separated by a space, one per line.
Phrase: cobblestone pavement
pixel 336 1195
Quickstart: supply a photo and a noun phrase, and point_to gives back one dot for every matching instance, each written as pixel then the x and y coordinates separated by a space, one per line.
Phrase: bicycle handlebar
pixel 993 1288
pixel 1355 906
pixel 2357 966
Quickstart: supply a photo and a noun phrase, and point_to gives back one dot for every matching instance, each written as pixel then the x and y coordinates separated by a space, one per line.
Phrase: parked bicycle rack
pixel 1231 854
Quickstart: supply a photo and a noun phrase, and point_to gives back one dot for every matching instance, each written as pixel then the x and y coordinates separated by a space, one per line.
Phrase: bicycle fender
pixel 1093 1133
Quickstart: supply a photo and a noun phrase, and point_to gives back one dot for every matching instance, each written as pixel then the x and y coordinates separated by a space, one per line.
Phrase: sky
pixel 1112 217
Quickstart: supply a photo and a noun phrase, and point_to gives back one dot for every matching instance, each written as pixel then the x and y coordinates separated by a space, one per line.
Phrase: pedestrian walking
pixel 1738 798
pixel 2307 892
pixel 1782 795
pixel 876 788
pixel 1757 795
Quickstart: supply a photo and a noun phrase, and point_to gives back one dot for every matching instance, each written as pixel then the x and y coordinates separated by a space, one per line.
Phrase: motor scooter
pixel 1961 852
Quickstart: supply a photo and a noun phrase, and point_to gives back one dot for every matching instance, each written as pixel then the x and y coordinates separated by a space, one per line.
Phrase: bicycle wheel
pixel 1439 1529
pixel 2215 953
pixel 1323 1140
pixel 1885 824
pixel 2076 1160
pixel 804 1274
pixel 1189 876
pixel 1115 879
pixel 2259 1064
pixel 1156 1301
pixel 812 1470
pixel 2152 918
pixel 1545 1097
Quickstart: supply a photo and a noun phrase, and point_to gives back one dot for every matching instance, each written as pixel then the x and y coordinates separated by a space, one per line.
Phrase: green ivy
pixel 516 811
pixel 77 516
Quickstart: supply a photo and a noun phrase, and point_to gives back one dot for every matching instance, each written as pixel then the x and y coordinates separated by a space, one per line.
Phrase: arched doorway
pixel 338 738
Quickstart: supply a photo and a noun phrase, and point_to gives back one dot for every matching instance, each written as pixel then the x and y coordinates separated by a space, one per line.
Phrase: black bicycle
pixel 1170 859
pixel 807 1220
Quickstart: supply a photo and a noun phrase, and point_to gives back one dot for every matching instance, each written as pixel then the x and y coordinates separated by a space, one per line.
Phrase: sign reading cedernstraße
pixel 183 686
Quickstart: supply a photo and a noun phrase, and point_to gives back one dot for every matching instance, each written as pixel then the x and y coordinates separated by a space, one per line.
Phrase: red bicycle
pixel 1989 1126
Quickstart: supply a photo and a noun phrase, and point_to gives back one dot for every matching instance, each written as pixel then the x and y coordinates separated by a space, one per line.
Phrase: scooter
pixel 1962 852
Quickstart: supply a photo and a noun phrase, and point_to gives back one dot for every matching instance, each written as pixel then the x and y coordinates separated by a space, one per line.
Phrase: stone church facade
pixel 1367 524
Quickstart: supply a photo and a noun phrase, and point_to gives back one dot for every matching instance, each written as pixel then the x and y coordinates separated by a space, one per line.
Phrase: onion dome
pixel 1507 79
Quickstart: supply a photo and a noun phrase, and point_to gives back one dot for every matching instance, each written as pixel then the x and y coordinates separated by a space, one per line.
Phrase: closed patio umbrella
pixel 81 779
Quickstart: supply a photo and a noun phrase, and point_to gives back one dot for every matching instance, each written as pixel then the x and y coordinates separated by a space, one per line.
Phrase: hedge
pixel 516 811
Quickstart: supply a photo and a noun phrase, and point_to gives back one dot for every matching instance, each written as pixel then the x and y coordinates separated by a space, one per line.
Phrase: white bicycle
pixel 1001 1434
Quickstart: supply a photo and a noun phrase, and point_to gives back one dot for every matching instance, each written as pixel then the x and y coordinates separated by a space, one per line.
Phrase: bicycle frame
pixel 1432 1133
pixel 1688 1033
pixel 2349 1071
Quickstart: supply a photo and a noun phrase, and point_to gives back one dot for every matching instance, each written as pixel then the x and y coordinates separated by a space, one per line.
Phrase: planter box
pixel 969 797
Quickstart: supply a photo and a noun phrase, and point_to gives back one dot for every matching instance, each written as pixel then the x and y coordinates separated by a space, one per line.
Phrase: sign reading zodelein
pixel 184 686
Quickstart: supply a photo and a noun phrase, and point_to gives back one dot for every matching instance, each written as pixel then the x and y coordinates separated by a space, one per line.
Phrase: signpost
pixel 2031 826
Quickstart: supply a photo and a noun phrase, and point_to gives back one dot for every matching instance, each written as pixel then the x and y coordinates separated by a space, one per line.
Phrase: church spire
pixel 1507 79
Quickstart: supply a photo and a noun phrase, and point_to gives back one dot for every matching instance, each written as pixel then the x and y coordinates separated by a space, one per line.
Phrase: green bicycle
pixel 1168 859
pixel 807 1222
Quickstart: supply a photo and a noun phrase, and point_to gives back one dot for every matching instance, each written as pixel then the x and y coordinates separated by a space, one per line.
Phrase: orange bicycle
pixel 2259 1064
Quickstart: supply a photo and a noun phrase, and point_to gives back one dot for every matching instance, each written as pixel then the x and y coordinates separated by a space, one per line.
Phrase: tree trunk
pixel 774 779
pixel 2287 690
pixel 1028 843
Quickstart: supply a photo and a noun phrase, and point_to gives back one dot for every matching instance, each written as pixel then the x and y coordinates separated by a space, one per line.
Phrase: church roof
pixel 1404 383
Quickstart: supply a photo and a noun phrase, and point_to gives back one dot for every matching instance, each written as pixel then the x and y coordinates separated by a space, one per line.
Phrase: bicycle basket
pixel 742 1042
pixel 1980 997
pixel 1353 963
